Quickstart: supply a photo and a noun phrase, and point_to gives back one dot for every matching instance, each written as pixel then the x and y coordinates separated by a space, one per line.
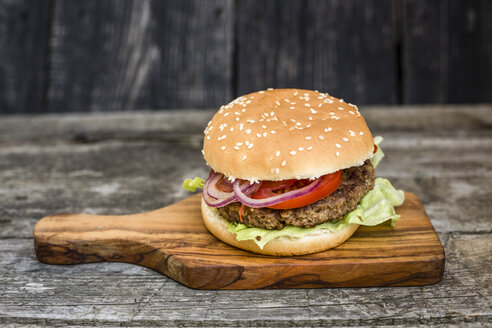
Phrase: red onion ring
pixel 251 202
pixel 216 198
pixel 216 192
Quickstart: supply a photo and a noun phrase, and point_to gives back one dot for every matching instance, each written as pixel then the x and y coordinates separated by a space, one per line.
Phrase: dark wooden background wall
pixel 95 55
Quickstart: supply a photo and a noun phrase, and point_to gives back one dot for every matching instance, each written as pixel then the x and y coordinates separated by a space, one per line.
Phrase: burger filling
pixel 266 210
pixel 355 183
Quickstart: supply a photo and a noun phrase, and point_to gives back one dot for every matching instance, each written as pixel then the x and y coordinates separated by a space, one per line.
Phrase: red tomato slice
pixel 375 149
pixel 329 183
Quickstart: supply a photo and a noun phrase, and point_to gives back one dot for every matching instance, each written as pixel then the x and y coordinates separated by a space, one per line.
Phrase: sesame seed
pixel 258 135
pixel 328 129
pixel 232 129
pixel 277 102
pixel 243 157
pixel 313 111
pixel 287 100
pixel 308 126
pixel 301 148
pixel 351 112
pixel 292 107
pixel 344 139
pixel 361 133
pixel 309 148
pixel 239 144
pixel 237 113
pixel 226 114
pixel 293 152
pixel 248 131
pixel 208 137
pixel 272 114
pixel 298 123
pixel 237 119
pixel 295 93
pixel 261 91
pixel 277 153
pixel 307 105
pixel 243 110
pixel 321 137
pixel 203 152
pixel 250 146
pixel 340 108
pixel 264 134
pixel 277 170
pixel 340 100
pixel 223 147
pixel 338 154
pixel 320 104
pixel 331 113
pixel 247 142
pixel 308 138
pixel 270 89
pixel 236 147
pixel 352 133
pixel 284 163
pixel 273 132
pixel 263 126
pixel 338 145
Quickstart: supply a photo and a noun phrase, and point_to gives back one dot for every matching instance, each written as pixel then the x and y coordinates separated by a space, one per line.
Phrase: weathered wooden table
pixel 131 162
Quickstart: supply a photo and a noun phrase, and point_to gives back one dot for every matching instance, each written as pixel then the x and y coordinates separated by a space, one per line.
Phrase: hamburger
pixel 292 173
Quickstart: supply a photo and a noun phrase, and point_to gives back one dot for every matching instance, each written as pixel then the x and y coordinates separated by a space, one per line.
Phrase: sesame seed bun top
pixel 286 134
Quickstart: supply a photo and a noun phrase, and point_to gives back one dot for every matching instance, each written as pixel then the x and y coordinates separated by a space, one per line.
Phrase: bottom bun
pixel 317 242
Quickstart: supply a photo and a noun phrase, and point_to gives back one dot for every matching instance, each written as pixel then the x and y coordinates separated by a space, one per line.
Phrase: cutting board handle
pixel 84 238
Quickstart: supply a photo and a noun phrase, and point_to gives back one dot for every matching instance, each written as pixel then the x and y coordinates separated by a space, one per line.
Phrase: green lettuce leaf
pixel 191 185
pixel 376 207
pixel 378 156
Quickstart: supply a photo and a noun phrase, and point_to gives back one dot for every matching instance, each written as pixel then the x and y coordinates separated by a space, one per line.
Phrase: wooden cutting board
pixel 174 241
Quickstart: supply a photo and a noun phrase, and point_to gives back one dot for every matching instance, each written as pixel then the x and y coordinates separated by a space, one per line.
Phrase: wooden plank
pixel 24 30
pixel 344 48
pixel 404 121
pixel 121 55
pixel 112 294
pixel 447 53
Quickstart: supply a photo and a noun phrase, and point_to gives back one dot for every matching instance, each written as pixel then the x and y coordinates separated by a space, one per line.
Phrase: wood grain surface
pixel 444 47
pixel 120 163
pixel 80 56
pixel 339 46
pixel 174 241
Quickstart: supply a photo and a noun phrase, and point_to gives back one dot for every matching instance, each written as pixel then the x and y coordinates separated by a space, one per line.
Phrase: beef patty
pixel 356 182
